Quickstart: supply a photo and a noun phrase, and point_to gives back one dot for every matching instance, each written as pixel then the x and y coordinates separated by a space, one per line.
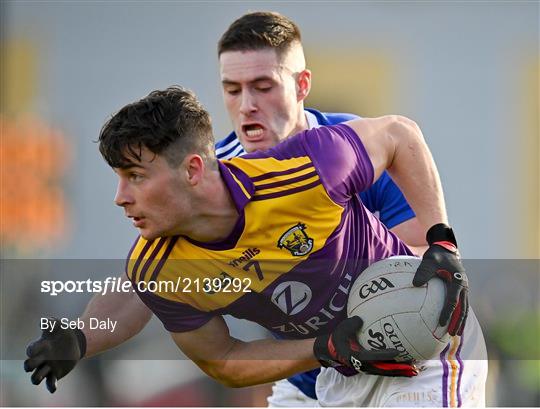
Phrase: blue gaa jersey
pixel 383 198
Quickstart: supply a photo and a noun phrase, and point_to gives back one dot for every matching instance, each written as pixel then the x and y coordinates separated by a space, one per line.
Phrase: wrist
pixel 321 350
pixel 441 232
pixel 81 341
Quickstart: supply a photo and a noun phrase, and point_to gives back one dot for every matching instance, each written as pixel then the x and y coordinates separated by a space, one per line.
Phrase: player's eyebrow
pixel 130 166
pixel 256 79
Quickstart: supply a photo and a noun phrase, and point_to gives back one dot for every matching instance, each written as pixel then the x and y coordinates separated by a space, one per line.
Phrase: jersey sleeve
pixel 338 155
pixel 385 198
pixel 175 316
pixel 143 265
pixel 340 159
pixel 229 147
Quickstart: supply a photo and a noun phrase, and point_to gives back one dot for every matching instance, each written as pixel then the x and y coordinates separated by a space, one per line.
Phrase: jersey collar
pixel 311 120
pixel 238 183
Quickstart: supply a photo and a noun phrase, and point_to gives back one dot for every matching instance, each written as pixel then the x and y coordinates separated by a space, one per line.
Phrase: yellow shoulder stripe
pixel 244 191
pixel 257 167
pixel 285 185
pixel 148 257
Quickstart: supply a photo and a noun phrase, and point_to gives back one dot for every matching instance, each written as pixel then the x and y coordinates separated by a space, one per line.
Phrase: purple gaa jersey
pixel 382 198
pixel 302 238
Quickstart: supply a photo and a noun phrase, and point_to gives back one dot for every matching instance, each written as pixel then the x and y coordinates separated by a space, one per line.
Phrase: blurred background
pixel 467 72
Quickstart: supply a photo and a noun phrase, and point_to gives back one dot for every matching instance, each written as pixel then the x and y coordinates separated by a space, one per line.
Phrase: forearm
pixel 264 361
pixel 413 234
pixel 235 363
pixel 413 169
pixel 418 250
pixel 124 308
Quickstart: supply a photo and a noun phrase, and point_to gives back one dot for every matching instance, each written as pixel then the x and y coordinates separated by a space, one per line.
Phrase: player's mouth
pixel 253 132
pixel 137 221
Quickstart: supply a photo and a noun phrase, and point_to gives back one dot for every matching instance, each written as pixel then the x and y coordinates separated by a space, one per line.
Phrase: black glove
pixel 341 348
pixel 55 354
pixel 442 260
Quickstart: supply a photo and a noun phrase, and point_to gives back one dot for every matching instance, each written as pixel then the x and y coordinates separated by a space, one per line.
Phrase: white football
pixel 395 313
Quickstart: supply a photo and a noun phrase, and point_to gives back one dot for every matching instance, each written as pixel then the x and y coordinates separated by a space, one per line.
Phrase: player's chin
pixel 257 146
pixel 148 234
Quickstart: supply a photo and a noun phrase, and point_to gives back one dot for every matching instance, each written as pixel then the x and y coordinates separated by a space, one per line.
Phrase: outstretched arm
pixel 126 308
pixel 58 350
pixel 237 364
pixel 395 143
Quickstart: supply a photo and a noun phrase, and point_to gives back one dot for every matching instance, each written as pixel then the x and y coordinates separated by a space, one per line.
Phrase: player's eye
pixel 232 91
pixel 135 177
pixel 264 88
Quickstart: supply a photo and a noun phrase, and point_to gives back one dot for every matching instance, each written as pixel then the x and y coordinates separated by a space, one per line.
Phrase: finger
pixel 350 326
pixel 36 347
pixel 39 374
pixel 450 303
pixel 32 363
pixel 461 313
pixel 377 355
pixel 465 312
pixel 456 317
pixel 51 383
pixel 423 274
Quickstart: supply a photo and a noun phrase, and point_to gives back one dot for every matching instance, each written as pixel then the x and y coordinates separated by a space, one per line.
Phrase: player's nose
pixel 248 104
pixel 122 197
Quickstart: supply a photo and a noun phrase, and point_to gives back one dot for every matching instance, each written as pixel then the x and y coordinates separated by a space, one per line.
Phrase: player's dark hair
pixel 258 30
pixel 171 123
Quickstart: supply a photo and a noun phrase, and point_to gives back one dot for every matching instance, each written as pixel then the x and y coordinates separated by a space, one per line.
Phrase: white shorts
pixel 286 395
pixel 456 379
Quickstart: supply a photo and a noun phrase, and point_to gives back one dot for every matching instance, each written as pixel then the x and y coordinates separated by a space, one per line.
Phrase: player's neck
pixel 301 124
pixel 216 213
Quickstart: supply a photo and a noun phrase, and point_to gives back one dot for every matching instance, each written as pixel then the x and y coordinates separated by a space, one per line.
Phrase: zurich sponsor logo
pixel 291 297
pixel 332 309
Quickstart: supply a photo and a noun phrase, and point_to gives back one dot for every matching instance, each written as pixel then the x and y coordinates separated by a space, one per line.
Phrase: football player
pixel 290 204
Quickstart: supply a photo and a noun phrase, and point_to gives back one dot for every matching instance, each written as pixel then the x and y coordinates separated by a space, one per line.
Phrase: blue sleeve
pixel 229 147
pixel 385 198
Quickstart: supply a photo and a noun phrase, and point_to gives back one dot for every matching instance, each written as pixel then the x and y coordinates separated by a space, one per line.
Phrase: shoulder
pixel 282 159
pixel 331 118
pixel 142 262
pixel 391 125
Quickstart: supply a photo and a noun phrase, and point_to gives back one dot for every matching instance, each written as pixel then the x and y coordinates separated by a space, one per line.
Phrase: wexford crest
pixel 296 240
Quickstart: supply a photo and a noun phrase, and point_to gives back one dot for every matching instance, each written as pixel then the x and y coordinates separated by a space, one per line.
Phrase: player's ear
pixel 303 84
pixel 194 168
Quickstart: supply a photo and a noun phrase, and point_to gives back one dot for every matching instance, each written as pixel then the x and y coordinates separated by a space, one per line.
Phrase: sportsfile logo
pixel 208 285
